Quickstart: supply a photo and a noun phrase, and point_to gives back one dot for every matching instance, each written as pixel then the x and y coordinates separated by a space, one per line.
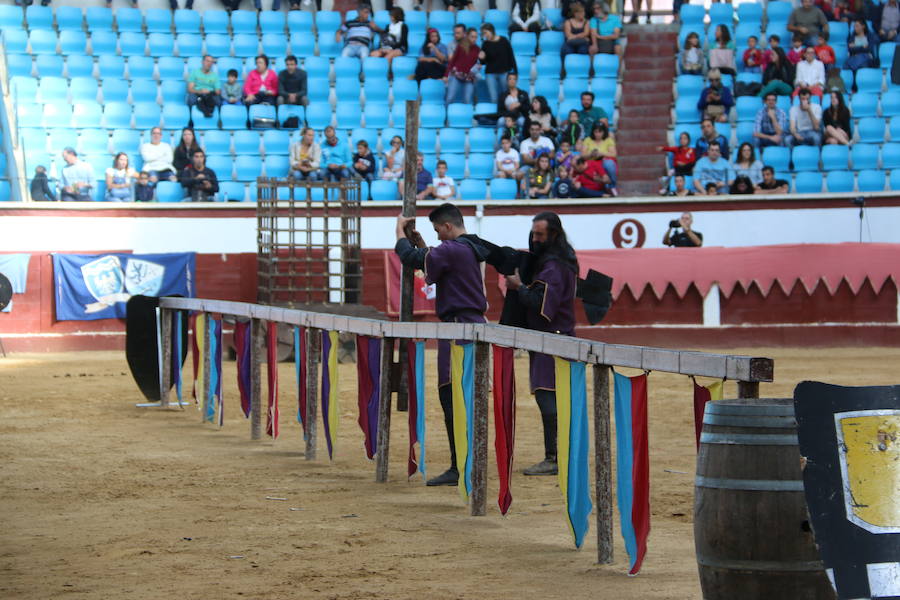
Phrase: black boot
pixel 546 401
pixel 451 475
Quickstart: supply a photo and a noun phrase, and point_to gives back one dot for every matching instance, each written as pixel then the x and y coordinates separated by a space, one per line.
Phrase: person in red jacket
pixel 461 70
pixel 261 86
pixel 591 179
pixel 824 52
pixel 684 155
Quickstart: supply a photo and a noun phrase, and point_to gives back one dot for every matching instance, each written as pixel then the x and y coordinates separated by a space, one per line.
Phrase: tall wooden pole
pixel 478 506
pixel 313 345
pixel 383 441
pixel 257 351
pixel 603 465
pixel 410 175
pixel 166 319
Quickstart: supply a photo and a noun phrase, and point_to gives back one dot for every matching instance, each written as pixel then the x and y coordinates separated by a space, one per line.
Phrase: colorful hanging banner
pixel 177 345
pixel 415 377
pixel 272 377
pixel 504 420
pixel 330 405
pixel 368 371
pixel 217 357
pixel 243 349
pixel 462 382
pixel 702 395
pixel 300 371
pixel 214 348
pixel 633 465
pixel 572 442
pixel 199 353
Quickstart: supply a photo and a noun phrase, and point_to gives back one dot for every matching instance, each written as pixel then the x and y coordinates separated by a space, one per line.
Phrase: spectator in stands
pixel 432 57
pixel 143 189
pixel 261 86
pixel 687 237
pixel 753 56
pixel 507 160
pixel 459 32
pixel 394 160
pixel 443 185
pixel 602 146
pixel 713 168
pixel 335 157
pixel 852 10
pixel 684 155
pixel 364 162
pixel 888 22
pixel 511 130
pixel 461 72
pixel 771 125
pixel 808 21
pixel 747 165
pixel 306 157
pixel 606 31
pixel 721 54
pixel 455 5
pixel 778 76
pixel 708 135
pixel 810 74
pixel 513 103
pixel 231 89
pixel 769 184
pixel 184 151
pixel 424 187
pixel 394 41
pixel 534 146
pixel 276 5
pixel 525 16
pixel 173 4
pixel 692 55
pixel 590 179
pixel 795 54
pixel 292 83
pixel 805 123
pixel 158 156
pixel 198 180
pixel 570 131
pixel 578 34
pixel 498 60
pixel 358 33
pixel 862 45
pixel 837 121
pixel 742 186
pixel 40 186
pixel 120 180
pixel 680 188
pixel 834 82
pixel 711 189
pixel 824 52
pixel 563 186
pixel 565 157
pixel 540 178
pixel 203 87
pixel 540 114
pixel 774 43
pixel 715 100
pixel 590 114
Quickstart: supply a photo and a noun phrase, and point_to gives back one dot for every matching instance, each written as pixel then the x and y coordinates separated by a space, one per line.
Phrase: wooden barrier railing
pixel 748 371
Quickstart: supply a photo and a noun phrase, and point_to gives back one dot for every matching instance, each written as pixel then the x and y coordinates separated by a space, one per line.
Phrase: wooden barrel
pixel 751 526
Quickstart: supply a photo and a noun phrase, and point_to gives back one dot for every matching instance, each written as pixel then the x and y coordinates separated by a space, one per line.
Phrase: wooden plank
pixel 383 442
pixel 257 352
pixel 478 506
pixel 748 389
pixel 603 466
pixel 313 346
pixel 657 359
pixel 166 320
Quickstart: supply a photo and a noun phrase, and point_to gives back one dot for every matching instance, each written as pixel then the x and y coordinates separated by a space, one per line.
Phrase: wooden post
pixel 166 318
pixel 603 466
pixel 410 173
pixel 748 389
pixel 257 351
pixel 313 343
pixel 207 361
pixel 478 507
pixel 383 443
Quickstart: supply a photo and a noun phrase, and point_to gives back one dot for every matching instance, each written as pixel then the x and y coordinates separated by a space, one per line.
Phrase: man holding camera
pixel 716 100
pixel 687 238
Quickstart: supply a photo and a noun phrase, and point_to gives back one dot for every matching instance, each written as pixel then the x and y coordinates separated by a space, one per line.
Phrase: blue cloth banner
pixel 15 268
pixel 97 286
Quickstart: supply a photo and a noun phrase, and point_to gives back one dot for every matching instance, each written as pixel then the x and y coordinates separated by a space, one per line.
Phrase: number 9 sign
pixel 628 233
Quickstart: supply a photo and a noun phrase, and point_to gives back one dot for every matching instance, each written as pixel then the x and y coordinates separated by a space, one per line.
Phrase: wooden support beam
pixel 313 345
pixel 748 389
pixel 166 320
pixel 383 443
pixel 478 506
pixel 603 466
pixel 207 361
pixel 257 352
pixel 410 173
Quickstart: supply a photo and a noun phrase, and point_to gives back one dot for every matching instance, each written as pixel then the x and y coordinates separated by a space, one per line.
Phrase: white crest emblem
pixel 103 277
pixel 143 277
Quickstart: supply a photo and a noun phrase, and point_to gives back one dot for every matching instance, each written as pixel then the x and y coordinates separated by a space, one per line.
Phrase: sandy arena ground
pixel 99 499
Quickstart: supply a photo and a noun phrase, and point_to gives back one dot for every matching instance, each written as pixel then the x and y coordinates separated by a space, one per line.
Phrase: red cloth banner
pixel 272 376
pixel 702 395
pixel 504 420
pixel 422 305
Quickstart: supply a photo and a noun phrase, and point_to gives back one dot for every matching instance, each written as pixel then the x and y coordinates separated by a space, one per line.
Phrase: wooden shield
pixel 141 344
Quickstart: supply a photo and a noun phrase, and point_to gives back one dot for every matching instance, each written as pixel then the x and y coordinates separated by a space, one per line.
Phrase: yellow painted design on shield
pixel 870 464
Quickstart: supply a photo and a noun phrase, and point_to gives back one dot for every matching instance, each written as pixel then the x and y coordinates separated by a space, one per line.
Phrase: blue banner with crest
pixel 97 286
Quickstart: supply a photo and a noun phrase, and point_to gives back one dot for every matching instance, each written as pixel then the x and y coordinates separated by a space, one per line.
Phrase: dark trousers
pixel 445 393
pixel 546 401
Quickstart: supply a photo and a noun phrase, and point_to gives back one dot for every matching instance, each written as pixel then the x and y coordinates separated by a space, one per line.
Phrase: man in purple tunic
pixel 548 297
pixel 454 267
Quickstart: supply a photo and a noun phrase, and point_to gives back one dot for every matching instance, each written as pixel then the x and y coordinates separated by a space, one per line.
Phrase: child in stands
pixel 231 89
pixel 824 52
pixel 684 155
pixel 692 55
pixel 40 186
pixel 143 189
pixel 753 56
pixel 774 43
pixel 510 130
pixel 795 55
pixel 540 178
pixel 565 156
pixel 571 130
pixel 562 187
pixel 444 186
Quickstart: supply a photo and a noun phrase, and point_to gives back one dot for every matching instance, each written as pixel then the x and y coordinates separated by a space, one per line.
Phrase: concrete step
pixel 657 101
pixel 639 188
pixel 645 86
pixel 656 47
pixel 641 137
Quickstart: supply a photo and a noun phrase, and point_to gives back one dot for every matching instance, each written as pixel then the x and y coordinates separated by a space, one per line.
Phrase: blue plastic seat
pixel 318 115
pixel 111 67
pixel 234 116
pixel 890 156
pixel 217 45
pixel 346 67
pixel 481 166
pixel 170 67
pixel 277 165
pixel 39 17
pixel 83 89
pixel 115 90
pixel 246 142
pixel 188 20
pixel 777 157
pixel 870 130
pixel 277 142
pixel 870 180
pixel 835 157
pixel 382 190
pixel 98 18
pixel 606 65
pixel 692 85
pixel 245 45
pixel 10 17
pixel 432 91
pixel 692 14
pixel 53 90
pixel 161 44
pixel 203 122
pixel 173 91
pixel 499 19
pixel 317 67
pixel 221 165
pixel 805 158
pixel 261 111
pixel 403 90
pixel 103 42
pixel 890 103
pixel 347 89
pixel 686 111
pixel 869 80
pixel 28 115
pixel 808 182
pixel 328 21
pixel 72 42
pixel 398 115
pixel 864 156
pixel 175 115
pixel 453 141
pixel 779 11
pixel 78 66
pixel 360 134
pixel 742 32
pixel 169 191
pixel 839 181
pixel 300 21
pixel 864 104
pixel 886 53
pixel 274 44
pixel 127 19
pixel 116 115
pixel 56 139
pixel 286 111
pixel 548 87
pixel 572 88
pixel 523 67
pixel 551 42
pixel 523 43
pixel 133 43
pixel 377 90
pixel 143 90
pixel 750 12
pixel 49 65
pixel 375 67
pixel 231 191
pixel 328 46
pixel 721 13
pixel 189 44
pixel 460 115
pixel 577 66
pixel 272 22
pixel 57 114
pixel 126 140
pixel 15 41
pixel 247 168
pixel 431 115
pixel 19 65
pixel 140 67
pixel 42 41
pixel 482 139
pixel 348 114
pixel 317 90
pixel 470 18
pixel 503 189
pixel 87 115
pixel 5 191
pixel 442 20
pixel 548 65
pixel 216 141
pixel 376 115
pixel 92 141
pixel 243 21
pixel 895 180
pixel 159 20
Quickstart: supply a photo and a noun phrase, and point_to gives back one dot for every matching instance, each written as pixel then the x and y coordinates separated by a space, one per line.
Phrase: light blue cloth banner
pixel 15 268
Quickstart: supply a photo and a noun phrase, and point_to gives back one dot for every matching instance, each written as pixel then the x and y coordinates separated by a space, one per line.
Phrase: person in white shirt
pixel 158 157
pixel 806 123
pixel 444 186
pixel 506 160
pixel 810 74
pixel 535 145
